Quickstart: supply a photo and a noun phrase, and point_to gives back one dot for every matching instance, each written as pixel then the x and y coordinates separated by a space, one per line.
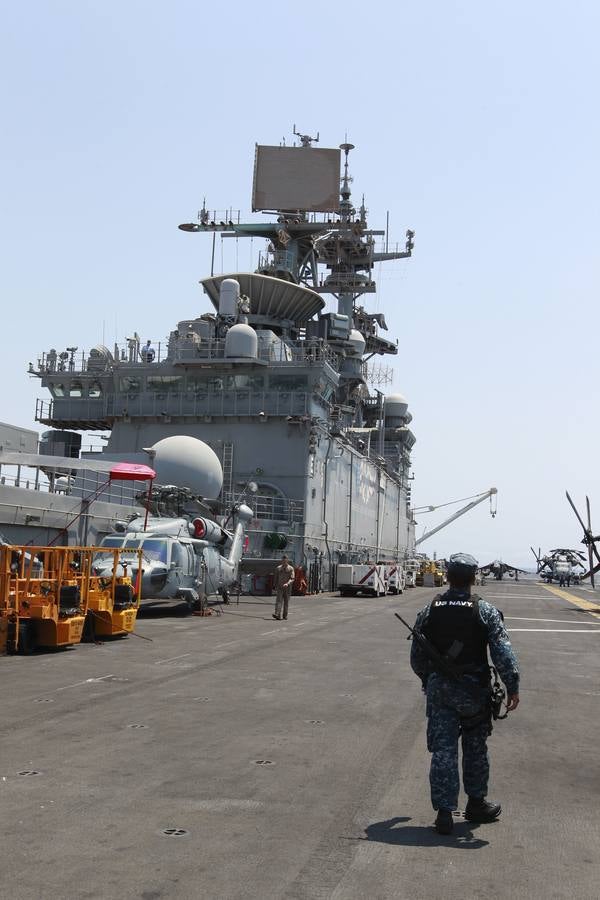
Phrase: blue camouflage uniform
pixel 462 709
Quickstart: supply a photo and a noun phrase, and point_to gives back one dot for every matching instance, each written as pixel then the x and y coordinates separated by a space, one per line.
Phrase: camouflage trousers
pixel 454 712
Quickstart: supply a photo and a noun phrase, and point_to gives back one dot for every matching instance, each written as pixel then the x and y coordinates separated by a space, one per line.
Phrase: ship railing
pixel 287 353
pixel 134 353
pixel 99 359
pixel 104 410
pixel 83 484
pixel 273 508
pixel 220 217
pixel 278 261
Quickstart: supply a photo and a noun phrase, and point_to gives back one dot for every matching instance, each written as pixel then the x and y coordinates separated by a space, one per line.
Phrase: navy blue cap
pixel 463 559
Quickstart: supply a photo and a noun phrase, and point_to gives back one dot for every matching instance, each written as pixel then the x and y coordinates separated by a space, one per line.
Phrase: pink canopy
pixel 131 472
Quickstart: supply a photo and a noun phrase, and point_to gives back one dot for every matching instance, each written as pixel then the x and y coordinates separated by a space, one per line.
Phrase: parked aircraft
pixel 561 565
pixel 186 553
pixel 498 569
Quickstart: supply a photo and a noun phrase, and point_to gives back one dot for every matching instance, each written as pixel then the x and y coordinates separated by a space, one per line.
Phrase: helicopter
pixel 560 565
pixel 498 569
pixel 186 554
pixel 589 540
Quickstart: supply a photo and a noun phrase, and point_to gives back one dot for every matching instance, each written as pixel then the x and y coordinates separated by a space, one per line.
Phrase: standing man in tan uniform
pixel 284 578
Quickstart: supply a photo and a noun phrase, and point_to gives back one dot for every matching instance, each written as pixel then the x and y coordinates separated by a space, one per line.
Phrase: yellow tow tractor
pixel 41 597
pixel 113 602
pixel 46 593
pixel 431 574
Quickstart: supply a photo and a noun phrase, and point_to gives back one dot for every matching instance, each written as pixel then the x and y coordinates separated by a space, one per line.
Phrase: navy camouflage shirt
pixel 501 651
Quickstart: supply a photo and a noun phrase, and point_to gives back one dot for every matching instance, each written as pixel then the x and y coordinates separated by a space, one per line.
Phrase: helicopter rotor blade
pixel 591 545
pixel 592 542
pixel 591 572
pixel 576 513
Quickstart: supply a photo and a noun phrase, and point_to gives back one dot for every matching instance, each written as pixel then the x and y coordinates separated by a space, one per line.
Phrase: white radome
pixel 188 463
pixel 396 406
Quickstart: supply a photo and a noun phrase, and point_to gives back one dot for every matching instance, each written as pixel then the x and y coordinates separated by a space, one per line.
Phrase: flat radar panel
pixel 296 178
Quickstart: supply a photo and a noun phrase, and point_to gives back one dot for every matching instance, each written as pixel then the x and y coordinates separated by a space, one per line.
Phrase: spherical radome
pixel 357 342
pixel 188 462
pixel 241 341
pixel 395 405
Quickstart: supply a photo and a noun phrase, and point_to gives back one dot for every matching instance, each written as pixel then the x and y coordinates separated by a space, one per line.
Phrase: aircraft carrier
pixel 277 386
pixel 238 757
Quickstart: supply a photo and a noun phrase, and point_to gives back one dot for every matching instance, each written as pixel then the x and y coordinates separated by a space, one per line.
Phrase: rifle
pixel 441 665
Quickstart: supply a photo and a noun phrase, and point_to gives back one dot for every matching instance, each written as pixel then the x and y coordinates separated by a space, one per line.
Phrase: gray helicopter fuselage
pixel 172 564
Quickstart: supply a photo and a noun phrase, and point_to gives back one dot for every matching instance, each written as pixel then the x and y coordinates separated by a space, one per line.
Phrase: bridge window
pixel 95 390
pixel 57 390
pixel 195 385
pixel 75 389
pixel 287 382
pixel 130 384
pixel 164 383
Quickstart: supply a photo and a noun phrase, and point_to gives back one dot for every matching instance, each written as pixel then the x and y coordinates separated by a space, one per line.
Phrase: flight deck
pixel 234 756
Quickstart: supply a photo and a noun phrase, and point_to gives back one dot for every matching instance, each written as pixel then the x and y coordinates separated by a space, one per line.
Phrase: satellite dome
pixel 241 341
pixel 396 406
pixel 188 463
pixel 357 342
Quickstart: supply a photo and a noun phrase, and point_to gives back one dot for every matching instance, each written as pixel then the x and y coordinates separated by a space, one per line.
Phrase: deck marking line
pixel 171 658
pixel 85 681
pixel 560 621
pixel 592 608
pixel 558 630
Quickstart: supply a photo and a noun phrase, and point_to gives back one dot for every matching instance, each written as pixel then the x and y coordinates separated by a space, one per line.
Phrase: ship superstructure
pixel 276 385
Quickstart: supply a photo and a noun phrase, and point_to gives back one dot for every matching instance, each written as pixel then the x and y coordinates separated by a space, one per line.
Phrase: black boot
pixel 479 810
pixel 444 823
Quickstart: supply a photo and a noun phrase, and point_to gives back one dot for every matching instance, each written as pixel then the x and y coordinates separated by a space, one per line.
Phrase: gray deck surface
pixel 343 809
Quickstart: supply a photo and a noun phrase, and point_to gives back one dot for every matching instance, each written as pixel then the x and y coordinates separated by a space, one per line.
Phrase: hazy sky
pixel 475 124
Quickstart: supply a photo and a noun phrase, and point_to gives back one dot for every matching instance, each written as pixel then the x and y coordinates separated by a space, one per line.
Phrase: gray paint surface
pixel 343 811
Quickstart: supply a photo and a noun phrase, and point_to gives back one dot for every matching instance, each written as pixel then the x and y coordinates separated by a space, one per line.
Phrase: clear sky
pixel 475 124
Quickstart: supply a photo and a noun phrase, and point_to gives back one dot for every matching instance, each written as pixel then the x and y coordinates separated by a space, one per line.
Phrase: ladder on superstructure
pixel 227 464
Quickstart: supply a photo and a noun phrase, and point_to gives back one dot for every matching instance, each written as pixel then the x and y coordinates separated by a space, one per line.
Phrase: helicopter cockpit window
pixel 155 550
pixel 108 542
pixel 179 555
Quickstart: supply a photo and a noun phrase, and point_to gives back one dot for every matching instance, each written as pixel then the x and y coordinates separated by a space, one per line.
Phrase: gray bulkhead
pixel 276 386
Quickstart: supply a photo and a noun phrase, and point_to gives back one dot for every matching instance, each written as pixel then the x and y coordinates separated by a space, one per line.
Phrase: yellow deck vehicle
pixel 431 574
pixel 113 603
pixel 47 592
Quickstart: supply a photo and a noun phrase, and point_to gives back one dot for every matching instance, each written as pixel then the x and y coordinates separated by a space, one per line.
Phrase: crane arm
pixel 456 515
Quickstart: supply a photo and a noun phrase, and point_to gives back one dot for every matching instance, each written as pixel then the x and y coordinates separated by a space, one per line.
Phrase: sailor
pixel 147 352
pixel 133 345
pixel 461 627
pixel 284 577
